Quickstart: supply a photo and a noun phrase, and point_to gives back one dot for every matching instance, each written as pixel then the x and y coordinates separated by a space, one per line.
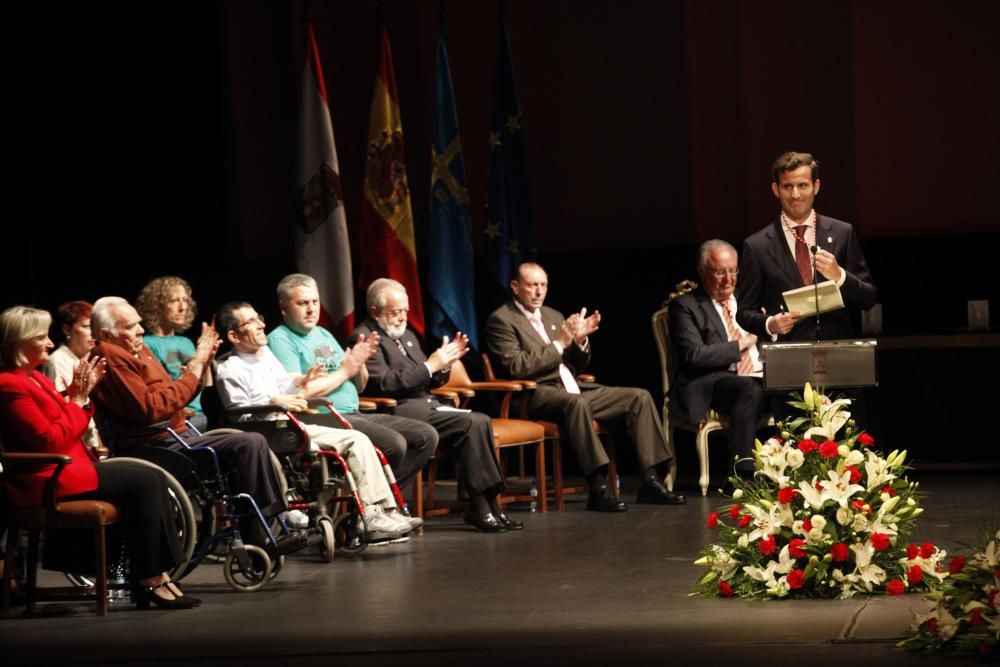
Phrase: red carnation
pixel 926 549
pixel 807 525
pixel 828 449
pixel 912 551
pixel 855 474
pixel 744 521
pixel 976 617
pixel 786 494
pixel 895 587
pixel 915 575
pixel 932 626
pixel 713 520
pixel 807 445
pixel 767 545
pixel 796 579
pixel 956 564
pixel 880 541
pixel 840 552
pixel 795 547
pixel 888 489
pixel 991 599
pixel 725 590
pixel 734 511
pixel 866 440
pixel 859 505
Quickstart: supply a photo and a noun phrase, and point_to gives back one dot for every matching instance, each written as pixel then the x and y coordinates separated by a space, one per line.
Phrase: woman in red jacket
pixel 34 417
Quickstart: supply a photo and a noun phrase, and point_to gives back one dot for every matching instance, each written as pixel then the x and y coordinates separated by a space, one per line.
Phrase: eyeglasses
pixel 722 273
pixel 397 312
pixel 253 320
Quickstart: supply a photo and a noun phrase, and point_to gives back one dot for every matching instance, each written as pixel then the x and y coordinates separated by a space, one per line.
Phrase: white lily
pixel 839 488
pixel 878 471
pixel 810 496
pixel 947 624
pixel 783 565
pixel 768 522
pixel 868 573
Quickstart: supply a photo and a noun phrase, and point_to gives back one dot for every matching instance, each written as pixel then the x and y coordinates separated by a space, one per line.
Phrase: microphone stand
pixel 814 249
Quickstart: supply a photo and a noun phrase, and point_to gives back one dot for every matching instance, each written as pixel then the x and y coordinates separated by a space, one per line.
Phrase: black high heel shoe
pixel 175 588
pixel 143 595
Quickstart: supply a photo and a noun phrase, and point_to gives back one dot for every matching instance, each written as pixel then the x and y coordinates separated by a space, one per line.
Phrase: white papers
pixel 803 299
pixel 448 408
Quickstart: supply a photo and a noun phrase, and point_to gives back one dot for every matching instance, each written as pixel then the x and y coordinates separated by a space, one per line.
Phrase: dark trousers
pixel 150 531
pixel 575 414
pixel 246 459
pixel 407 443
pixel 469 435
pixel 741 399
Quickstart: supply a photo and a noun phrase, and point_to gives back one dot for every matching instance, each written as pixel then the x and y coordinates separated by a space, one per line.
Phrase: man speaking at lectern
pixel 781 257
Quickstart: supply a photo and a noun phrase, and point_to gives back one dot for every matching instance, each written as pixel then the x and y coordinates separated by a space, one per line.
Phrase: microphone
pixel 814 249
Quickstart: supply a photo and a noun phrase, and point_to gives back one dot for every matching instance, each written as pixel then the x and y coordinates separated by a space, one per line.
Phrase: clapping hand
pixel 449 352
pixel 86 375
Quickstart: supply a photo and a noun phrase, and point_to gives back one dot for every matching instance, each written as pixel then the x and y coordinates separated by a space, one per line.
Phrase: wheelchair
pixel 320 481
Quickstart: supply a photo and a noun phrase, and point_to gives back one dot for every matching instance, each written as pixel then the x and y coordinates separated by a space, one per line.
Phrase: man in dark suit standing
pixel 780 257
pixel 529 341
pixel 401 370
pixel 717 362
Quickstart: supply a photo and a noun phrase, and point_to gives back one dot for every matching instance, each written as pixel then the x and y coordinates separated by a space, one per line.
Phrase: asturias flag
pixel 508 238
pixel 450 273
pixel 322 247
pixel 388 249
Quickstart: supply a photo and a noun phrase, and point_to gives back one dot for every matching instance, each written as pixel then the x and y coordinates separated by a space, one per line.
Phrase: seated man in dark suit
pixel 531 342
pixel 400 370
pixel 717 362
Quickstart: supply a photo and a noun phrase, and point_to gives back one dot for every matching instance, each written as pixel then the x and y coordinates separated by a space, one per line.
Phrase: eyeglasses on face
pixel 259 319
pixel 722 273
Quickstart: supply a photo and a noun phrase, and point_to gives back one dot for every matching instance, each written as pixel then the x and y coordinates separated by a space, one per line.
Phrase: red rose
pixel 807 445
pixel 888 489
pixel 734 511
pixel 744 521
pixel 866 440
pixel 786 494
pixel 713 520
pixel 840 552
pixel 855 474
pixel 895 587
pixel 828 449
pixel 932 626
pixel 795 549
pixel 915 575
pixel 767 545
pixel 926 549
pixel 956 564
pixel 725 590
pixel 912 551
pixel 880 541
pixel 796 579
pixel 859 505
pixel 807 525
pixel 976 617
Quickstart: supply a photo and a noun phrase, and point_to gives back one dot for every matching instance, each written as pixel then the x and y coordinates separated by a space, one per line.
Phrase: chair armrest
pixel 497 385
pixel 256 410
pixel 447 394
pixel 377 403
pixel 586 377
pixel 13 460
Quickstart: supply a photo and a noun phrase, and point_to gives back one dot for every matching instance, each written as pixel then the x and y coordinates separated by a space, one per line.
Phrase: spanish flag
pixel 388 249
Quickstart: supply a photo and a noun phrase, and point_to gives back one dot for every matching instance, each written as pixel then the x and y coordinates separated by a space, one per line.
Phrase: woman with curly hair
pixel 168 310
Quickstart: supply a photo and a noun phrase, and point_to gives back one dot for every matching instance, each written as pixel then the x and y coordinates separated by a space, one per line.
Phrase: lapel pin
pixel 552 326
pixel 409 343
pixel 829 239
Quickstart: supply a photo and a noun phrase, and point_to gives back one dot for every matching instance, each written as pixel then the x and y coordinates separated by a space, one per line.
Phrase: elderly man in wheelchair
pixel 251 378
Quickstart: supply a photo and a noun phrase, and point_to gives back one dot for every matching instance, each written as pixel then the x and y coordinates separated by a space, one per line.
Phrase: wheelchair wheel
pixel 184 517
pixel 252 580
pixel 347 537
pixel 276 565
pixel 327 546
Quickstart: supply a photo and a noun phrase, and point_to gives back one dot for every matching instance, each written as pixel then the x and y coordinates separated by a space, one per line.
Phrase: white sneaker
pixel 297 519
pixel 380 525
pixel 409 523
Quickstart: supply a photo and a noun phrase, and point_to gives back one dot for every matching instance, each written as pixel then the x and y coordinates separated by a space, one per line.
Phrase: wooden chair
pixel 712 421
pixel 507 433
pixel 559 488
pixel 52 515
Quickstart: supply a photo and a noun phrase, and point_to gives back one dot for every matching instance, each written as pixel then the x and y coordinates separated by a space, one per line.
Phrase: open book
pixel 803 299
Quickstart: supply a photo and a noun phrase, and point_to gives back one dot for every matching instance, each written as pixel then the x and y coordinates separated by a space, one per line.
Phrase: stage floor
pixel 574 586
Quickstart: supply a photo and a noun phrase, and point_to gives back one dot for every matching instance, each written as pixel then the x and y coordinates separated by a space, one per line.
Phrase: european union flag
pixel 508 238
pixel 451 270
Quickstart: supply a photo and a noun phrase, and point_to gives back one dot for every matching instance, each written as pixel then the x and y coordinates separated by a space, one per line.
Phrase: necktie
pixel 802 254
pixel 745 365
pixel 402 349
pixel 569 382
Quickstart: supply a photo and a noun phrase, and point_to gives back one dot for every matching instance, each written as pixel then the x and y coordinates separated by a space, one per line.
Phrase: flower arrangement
pixel 821 517
pixel 965 619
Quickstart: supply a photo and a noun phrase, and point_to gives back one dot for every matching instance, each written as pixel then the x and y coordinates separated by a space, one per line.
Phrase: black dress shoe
pixel 603 500
pixel 655 493
pixel 508 523
pixel 487 524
